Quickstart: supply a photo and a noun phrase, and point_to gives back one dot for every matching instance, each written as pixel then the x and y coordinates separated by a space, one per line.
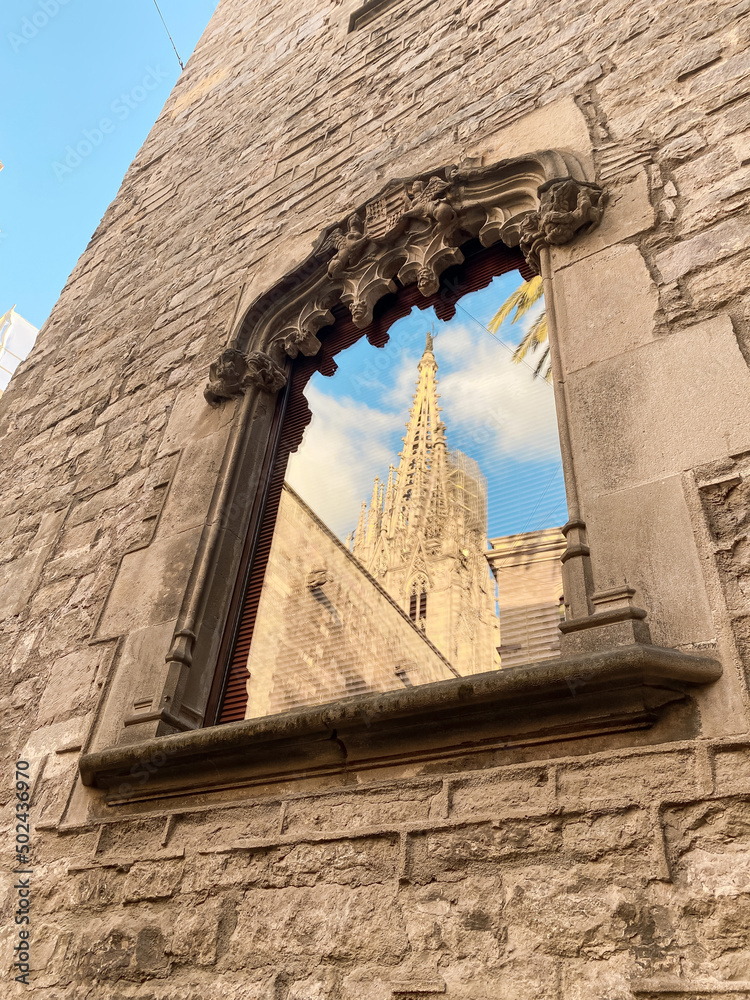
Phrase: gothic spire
pixel 415 477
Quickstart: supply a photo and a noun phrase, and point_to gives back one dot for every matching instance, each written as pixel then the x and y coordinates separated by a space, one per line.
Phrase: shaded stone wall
pixel 596 867
pixel 573 878
pixel 325 628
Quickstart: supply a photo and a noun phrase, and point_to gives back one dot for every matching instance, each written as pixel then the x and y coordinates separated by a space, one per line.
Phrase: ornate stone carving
pixel 430 201
pixel 350 246
pixel 565 207
pixel 234 371
pixel 410 233
pixel 264 373
pixel 317 578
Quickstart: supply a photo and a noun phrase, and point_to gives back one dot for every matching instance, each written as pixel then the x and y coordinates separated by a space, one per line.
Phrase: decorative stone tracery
pixel 410 233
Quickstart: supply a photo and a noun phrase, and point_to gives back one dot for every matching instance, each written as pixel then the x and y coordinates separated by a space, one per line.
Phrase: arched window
pixel 418 601
pixel 267 633
pixel 425 242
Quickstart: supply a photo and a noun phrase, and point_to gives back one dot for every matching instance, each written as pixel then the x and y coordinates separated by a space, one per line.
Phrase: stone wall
pixel 598 867
pixel 575 877
pixel 325 628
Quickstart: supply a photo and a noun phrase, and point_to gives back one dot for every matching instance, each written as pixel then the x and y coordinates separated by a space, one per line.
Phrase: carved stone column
pixel 594 620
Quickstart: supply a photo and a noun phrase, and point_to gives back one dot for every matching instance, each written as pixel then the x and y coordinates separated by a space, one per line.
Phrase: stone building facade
pixel 326 629
pixel 528 574
pixel 577 828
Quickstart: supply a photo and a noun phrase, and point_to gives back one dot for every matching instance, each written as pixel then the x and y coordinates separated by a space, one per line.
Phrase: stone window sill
pixel 600 693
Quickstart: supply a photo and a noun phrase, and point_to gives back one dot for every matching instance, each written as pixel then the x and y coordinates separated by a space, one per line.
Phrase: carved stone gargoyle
pixel 233 372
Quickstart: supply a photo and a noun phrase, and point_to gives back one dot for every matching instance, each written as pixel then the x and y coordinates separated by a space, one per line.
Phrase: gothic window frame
pixel 418 590
pixel 408 235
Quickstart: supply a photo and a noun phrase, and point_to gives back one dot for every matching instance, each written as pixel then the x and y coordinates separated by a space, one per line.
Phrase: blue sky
pixel 494 411
pixel 65 65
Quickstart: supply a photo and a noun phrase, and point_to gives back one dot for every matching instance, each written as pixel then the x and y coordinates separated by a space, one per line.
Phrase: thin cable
pixel 170 36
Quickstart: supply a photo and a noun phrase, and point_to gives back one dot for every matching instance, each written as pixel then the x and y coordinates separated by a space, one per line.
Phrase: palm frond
pixel 534 337
pixel 521 300
pixel 544 360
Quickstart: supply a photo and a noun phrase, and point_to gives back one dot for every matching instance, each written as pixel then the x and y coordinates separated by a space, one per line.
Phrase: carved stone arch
pixel 408 234
pixel 411 232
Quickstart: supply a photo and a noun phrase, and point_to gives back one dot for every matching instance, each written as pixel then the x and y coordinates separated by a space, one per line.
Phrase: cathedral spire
pixel 415 475
pixel 375 513
pixel 424 535
pixel 361 531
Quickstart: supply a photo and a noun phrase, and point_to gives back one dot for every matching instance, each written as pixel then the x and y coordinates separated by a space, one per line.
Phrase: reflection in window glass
pixel 417 536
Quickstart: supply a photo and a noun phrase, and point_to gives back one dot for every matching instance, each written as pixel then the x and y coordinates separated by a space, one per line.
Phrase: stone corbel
pixel 412 231
pixel 566 206
pixel 233 372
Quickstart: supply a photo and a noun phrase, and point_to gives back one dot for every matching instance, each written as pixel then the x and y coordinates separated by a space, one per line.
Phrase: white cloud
pixel 491 406
pixel 488 398
pixel 345 446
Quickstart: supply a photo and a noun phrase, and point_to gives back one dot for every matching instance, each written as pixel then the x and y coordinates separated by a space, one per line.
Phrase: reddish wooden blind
pixel 480 267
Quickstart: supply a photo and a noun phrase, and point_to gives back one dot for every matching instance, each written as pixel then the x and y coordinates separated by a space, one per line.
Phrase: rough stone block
pixel 558 124
pixel 19 580
pixel 595 836
pixel 490 843
pixel 669 585
pixel 468 918
pixel 672 423
pixel 500 792
pixel 97 887
pixel 191 419
pixel 406 802
pixel 152 881
pixel 683 147
pixel 250 821
pixel 136 837
pixel 70 686
pixel 732 770
pixel 357 862
pixel 150 585
pixel 197 934
pixel 193 485
pixel 721 241
pixel 640 779
pixel 708 843
pixel 309 922
pixel 601 318
pixel 67 735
